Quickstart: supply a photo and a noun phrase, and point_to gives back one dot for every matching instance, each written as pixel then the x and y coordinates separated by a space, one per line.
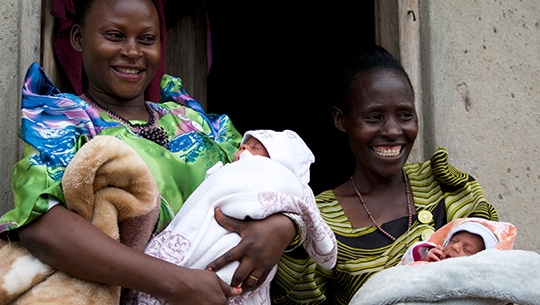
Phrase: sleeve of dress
pixel 465 196
pixel 52 128
pixel 299 279
pixel 219 126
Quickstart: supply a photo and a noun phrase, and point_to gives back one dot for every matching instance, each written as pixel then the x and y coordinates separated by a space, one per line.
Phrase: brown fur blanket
pixel 108 184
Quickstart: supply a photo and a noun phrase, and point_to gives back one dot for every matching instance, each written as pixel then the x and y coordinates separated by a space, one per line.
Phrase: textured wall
pixel 9 83
pixel 19 46
pixel 9 95
pixel 481 85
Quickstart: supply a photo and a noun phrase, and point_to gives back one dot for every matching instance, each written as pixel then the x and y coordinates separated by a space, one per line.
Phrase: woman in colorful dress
pixel 120 45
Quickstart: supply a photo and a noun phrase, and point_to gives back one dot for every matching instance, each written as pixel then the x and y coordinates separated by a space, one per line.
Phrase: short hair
pixel 370 59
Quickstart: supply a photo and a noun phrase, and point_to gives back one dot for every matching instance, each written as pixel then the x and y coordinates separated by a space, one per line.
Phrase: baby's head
pixel 285 147
pixel 251 146
pixel 469 238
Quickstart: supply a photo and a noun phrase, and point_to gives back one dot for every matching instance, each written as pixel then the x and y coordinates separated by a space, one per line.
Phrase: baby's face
pixel 463 243
pixel 252 145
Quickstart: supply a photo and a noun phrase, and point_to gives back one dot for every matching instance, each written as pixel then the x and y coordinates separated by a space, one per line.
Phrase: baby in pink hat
pixel 462 237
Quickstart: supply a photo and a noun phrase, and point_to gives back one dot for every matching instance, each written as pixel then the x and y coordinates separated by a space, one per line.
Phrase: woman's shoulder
pixel 172 90
pixel 438 168
pixel 326 195
pixel 36 80
pixel 39 91
pixel 326 199
pixel 45 107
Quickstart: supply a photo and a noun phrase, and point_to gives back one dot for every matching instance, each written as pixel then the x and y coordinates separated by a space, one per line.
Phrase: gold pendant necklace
pixel 407 193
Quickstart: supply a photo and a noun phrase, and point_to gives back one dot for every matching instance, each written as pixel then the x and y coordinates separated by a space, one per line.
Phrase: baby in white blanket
pixel 270 175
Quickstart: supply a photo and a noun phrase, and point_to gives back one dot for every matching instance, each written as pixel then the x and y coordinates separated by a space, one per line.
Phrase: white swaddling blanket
pixel 256 187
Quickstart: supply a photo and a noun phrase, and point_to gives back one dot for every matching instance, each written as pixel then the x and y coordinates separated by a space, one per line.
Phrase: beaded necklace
pixel 147 130
pixel 407 193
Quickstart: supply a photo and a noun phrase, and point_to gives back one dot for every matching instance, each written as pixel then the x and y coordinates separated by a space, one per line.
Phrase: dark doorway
pixel 272 62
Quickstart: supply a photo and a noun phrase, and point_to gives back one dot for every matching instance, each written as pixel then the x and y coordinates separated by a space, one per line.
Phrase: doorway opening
pixel 271 64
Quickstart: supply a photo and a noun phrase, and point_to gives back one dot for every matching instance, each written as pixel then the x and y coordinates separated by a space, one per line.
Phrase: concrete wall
pixel 481 92
pixel 480 76
pixel 19 46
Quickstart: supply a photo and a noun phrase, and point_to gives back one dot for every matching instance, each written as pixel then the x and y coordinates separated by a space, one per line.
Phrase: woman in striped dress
pixel 387 204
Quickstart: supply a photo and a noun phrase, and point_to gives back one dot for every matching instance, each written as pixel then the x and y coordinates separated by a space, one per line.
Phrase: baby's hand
pixel 435 254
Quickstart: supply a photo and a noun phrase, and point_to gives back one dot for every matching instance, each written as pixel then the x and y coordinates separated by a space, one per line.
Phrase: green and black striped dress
pixel 437 188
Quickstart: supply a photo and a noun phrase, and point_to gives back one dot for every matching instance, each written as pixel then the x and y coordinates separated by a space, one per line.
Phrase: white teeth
pixel 387 151
pixel 128 71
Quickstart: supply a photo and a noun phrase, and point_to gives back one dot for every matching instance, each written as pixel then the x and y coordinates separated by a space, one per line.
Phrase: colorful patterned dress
pixel 441 194
pixel 55 125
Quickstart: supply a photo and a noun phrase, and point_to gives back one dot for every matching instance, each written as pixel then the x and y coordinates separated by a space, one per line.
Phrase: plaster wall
pixel 481 99
pixel 19 46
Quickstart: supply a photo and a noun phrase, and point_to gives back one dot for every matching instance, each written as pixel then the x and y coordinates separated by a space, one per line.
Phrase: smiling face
pixel 120 45
pixel 381 122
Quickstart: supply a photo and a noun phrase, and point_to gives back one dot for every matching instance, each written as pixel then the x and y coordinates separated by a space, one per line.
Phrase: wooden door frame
pixel 397 27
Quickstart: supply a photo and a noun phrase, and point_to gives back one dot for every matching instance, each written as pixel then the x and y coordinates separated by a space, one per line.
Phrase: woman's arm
pixel 69 243
pixel 263 243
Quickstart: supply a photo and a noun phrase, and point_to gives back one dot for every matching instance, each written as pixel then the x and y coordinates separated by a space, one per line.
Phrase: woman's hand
pixel 262 244
pixel 201 287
